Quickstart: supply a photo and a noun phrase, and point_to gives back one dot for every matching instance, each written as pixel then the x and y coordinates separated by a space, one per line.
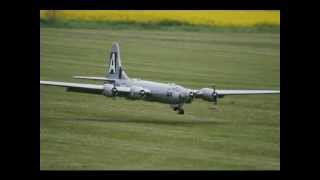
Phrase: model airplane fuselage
pixel 117 83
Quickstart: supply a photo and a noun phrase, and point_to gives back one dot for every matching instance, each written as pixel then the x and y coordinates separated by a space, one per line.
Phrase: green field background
pixel 83 131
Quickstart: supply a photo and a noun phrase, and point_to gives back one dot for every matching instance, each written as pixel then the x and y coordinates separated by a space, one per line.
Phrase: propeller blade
pixel 214 95
pixel 191 94
pixel 142 93
pixel 114 90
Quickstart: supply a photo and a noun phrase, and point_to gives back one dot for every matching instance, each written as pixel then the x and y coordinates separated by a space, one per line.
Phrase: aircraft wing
pixel 246 92
pixel 94 78
pixel 210 94
pixel 86 88
pixel 76 87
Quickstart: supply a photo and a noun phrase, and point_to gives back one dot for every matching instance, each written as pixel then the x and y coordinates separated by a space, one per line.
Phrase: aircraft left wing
pixel 91 88
pixel 94 78
pixel 77 87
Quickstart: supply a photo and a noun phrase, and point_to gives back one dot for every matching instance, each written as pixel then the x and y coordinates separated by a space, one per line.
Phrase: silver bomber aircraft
pixel 117 83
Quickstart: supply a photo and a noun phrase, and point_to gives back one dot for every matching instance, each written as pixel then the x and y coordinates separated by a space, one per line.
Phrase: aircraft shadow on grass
pixel 153 121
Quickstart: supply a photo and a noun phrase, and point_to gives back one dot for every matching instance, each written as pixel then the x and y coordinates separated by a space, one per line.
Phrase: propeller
pixel 191 94
pixel 142 93
pixel 214 95
pixel 114 90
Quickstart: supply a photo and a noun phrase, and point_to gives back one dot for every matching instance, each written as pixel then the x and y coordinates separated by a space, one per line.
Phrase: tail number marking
pixel 112 67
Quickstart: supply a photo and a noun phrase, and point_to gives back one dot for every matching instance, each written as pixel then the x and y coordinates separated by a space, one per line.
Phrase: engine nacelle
pixel 209 94
pixel 206 94
pixel 137 92
pixel 109 90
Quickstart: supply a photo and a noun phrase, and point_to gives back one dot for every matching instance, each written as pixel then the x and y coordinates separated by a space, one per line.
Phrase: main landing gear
pixel 178 107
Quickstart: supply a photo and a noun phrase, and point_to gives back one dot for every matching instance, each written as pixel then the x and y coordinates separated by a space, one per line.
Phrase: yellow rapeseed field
pixel 211 18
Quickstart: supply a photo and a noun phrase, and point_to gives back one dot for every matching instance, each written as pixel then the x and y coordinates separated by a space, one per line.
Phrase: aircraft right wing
pixel 211 94
pixel 246 92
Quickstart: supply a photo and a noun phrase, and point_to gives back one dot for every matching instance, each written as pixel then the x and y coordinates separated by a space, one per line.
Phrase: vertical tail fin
pixel 115 70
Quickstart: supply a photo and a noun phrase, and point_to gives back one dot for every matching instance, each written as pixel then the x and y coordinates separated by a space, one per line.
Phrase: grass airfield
pixel 91 132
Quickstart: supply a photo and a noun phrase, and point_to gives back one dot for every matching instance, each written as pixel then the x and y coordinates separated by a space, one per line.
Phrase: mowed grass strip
pixel 81 131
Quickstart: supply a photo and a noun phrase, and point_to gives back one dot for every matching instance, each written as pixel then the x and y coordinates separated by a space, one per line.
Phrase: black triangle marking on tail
pixel 113 63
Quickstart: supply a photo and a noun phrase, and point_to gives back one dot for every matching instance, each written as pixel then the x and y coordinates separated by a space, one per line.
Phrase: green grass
pixel 165 25
pixel 83 131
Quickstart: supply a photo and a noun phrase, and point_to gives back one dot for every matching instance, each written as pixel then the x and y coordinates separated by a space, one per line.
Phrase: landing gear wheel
pixel 181 111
